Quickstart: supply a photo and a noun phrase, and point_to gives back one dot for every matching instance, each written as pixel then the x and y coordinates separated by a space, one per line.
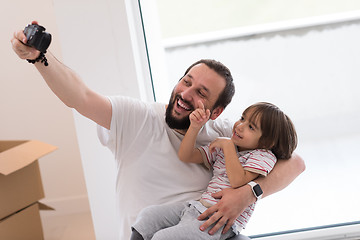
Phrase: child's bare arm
pixel 237 175
pixel 187 151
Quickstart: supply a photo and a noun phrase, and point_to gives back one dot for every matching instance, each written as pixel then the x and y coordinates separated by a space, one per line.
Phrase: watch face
pixel 257 190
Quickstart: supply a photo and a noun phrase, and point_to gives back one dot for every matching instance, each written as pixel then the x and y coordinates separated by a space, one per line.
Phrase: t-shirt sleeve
pixel 208 157
pixel 212 130
pixel 260 161
pixel 128 124
pixel 106 135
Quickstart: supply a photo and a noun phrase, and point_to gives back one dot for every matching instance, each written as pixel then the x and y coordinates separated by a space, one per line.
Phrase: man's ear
pixel 216 112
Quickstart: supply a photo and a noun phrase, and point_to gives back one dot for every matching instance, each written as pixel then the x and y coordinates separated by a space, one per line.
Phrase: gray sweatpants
pixel 174 221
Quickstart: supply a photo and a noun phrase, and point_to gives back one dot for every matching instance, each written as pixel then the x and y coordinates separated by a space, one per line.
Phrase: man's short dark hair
pixel 229 90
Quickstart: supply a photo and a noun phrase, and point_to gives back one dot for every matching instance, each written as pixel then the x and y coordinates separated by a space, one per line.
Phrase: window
pixel 303 59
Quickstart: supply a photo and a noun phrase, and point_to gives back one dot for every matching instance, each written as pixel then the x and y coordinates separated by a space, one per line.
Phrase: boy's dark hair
pixel 229 90
pixel 278 131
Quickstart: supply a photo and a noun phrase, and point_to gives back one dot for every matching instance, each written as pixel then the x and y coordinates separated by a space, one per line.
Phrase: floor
pixel 68 227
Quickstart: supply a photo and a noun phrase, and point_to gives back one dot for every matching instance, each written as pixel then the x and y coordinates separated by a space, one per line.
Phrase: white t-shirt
pixel 145 149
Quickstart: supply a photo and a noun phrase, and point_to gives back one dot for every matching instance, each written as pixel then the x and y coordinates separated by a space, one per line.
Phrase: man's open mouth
pixel 181 104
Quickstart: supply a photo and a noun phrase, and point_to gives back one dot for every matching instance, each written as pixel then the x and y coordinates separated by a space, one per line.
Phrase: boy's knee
pixel 146 213
pixel 135 235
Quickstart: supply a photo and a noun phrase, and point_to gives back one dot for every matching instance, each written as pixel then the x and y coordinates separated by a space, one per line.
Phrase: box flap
pixel 43 206
pixel 6 145
pixel 22 154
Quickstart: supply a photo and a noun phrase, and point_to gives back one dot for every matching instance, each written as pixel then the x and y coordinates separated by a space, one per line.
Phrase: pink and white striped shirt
pixel 260 161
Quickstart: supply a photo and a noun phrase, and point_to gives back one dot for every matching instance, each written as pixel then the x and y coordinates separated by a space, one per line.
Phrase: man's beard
pixel 172 122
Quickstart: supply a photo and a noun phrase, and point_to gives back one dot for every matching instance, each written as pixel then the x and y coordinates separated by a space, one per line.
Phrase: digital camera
pixel 37 37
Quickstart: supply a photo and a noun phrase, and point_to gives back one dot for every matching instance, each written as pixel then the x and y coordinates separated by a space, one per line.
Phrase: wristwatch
pixel 256 189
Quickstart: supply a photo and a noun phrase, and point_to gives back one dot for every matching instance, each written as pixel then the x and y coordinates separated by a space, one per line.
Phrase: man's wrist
pixel 246 195
pixel 41 58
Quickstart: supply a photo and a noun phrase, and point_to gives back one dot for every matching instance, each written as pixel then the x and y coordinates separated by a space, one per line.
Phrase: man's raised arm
pixel 66 84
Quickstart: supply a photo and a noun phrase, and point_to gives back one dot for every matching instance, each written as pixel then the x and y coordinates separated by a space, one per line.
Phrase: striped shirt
pixel 259 161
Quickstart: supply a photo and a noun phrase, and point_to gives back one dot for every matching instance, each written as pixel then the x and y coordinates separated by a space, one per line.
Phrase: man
pixel 144 138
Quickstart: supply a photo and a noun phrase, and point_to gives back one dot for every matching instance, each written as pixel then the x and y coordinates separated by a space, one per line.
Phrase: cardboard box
pixel 20 180
pixel 24 224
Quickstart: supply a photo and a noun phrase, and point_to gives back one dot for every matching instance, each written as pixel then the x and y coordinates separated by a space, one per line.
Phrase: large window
pixel 305 59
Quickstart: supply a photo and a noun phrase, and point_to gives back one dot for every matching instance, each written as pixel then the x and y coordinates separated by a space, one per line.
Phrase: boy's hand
pixel 199 116
pixel 221 142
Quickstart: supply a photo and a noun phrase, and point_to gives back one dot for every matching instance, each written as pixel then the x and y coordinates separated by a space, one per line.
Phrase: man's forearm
pixel 63 81
pixel 284 172
pixel 72 91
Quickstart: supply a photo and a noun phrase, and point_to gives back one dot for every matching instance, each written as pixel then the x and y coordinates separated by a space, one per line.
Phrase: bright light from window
pixel 310 73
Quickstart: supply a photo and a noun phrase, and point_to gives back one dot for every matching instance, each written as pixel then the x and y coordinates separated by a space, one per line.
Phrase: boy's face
pixel 200 83
pixel 246 133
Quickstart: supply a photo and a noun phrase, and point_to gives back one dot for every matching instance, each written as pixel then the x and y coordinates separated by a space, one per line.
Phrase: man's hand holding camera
pixel 32 43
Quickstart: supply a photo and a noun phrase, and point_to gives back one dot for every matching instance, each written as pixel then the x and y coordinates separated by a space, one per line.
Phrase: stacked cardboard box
pixel 21 189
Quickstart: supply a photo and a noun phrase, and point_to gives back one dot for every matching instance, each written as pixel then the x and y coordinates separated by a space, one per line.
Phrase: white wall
pixel 102 41
pixel 29 110
pixel 100 44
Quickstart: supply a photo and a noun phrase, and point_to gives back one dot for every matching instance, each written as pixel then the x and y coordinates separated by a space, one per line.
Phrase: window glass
pixel 311 73
pixel 187 17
